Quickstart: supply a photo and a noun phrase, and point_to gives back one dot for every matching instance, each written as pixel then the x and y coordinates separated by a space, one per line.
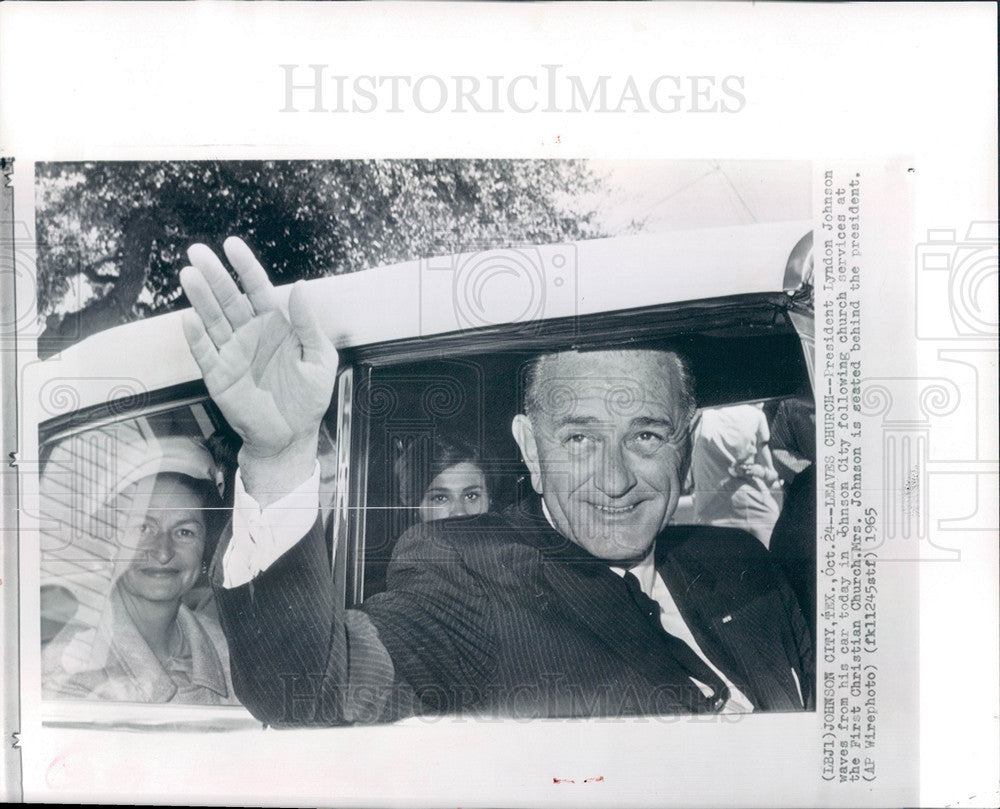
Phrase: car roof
pixel 448 294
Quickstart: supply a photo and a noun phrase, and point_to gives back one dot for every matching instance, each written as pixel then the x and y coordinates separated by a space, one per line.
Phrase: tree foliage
pixel 119 231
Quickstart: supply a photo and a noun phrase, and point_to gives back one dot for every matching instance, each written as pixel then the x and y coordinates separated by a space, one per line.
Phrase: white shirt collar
pixel 673 622
pixel 645 571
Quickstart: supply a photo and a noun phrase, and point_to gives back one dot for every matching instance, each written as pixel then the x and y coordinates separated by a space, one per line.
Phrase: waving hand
pixel 271 376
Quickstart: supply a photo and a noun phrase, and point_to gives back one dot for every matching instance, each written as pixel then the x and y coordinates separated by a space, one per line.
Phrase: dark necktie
pixel 686 657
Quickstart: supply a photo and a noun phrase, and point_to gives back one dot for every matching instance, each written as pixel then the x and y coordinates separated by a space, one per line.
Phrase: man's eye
pixel 439 498
pixel 473 496
pixel 648 440
pixel 576 438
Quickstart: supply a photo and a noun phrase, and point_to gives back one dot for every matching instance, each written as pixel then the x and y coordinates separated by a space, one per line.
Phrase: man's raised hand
pixel 271 376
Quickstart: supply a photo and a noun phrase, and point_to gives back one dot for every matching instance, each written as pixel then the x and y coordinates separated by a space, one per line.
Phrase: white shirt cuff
pixel 261 536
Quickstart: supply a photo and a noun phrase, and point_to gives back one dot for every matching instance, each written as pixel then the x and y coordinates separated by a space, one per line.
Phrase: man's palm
pixel 264 388
pixel 271 377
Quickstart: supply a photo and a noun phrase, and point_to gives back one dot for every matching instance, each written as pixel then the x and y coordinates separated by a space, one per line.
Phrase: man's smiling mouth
pixel 614 510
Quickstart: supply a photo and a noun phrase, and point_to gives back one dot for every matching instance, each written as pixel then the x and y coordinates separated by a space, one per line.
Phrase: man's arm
pixel 260 536
pixel 297 656
pixel 272 376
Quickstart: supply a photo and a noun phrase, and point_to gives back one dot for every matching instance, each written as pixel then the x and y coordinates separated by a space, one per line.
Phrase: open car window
pixel 131 509
pixel 416 417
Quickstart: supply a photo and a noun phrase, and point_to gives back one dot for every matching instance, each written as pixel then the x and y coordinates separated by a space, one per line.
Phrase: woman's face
pixel 163 539
pixel 458 491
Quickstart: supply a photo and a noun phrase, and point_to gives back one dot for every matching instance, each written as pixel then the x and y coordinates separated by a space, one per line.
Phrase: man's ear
pixel 686 448
pixel 524 435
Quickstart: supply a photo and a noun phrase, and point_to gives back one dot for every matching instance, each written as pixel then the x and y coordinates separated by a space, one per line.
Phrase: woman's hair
pixel 423 459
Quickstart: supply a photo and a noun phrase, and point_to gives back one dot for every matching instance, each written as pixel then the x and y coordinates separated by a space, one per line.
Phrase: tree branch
pixel 90 271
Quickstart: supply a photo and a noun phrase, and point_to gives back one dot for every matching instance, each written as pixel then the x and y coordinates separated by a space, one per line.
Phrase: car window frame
pixel 787 312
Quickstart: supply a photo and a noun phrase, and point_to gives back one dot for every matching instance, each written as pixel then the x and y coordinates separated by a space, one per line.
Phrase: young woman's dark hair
pixel 423 459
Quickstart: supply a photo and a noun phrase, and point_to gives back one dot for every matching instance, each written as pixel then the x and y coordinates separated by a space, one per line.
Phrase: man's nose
pixel 614 476
pixel 162 549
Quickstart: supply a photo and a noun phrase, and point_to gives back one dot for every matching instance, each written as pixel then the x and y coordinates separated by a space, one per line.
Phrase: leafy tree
pixel 118 231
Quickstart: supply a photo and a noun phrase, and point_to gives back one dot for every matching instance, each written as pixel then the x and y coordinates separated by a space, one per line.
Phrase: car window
pixel 414 413
pixel 417 413
pixel 131 509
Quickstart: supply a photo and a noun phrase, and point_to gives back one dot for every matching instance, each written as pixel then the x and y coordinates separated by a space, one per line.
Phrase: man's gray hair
pixel 536 369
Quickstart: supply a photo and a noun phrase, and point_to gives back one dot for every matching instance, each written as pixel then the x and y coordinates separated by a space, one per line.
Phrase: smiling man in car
pixel 584 602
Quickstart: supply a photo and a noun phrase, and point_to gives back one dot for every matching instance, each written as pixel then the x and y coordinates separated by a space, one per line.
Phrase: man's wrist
pixel 268 478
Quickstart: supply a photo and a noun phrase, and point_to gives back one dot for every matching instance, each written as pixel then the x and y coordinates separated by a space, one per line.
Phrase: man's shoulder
pixel 481 540
pixel 729 562
pixel 715 547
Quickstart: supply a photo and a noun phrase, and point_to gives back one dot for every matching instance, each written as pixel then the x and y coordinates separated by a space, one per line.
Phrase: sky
pixel 677 195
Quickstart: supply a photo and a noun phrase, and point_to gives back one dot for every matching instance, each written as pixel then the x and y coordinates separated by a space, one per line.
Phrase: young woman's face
pixel 163 540
pixel 459 491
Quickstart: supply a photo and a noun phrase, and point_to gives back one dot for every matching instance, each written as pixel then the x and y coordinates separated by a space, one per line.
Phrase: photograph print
pixel 402 438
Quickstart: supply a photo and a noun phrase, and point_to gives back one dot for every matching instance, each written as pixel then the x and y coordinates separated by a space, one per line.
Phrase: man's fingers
pixel 233 302
pixel 200 292
pixel 221 283
pixel 202 348
pixel 255 282
pixel 316 346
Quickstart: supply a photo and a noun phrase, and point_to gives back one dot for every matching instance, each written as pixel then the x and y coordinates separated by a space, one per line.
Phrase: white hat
pixel 83 475
pixel 174 453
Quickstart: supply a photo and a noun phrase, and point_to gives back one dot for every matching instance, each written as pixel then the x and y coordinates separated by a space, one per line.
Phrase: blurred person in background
pixel 733 471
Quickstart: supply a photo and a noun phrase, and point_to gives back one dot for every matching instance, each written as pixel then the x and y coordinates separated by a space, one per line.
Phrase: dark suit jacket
pixel 502 615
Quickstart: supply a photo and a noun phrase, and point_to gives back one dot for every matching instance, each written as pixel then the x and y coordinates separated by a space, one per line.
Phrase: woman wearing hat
pixel 148 646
